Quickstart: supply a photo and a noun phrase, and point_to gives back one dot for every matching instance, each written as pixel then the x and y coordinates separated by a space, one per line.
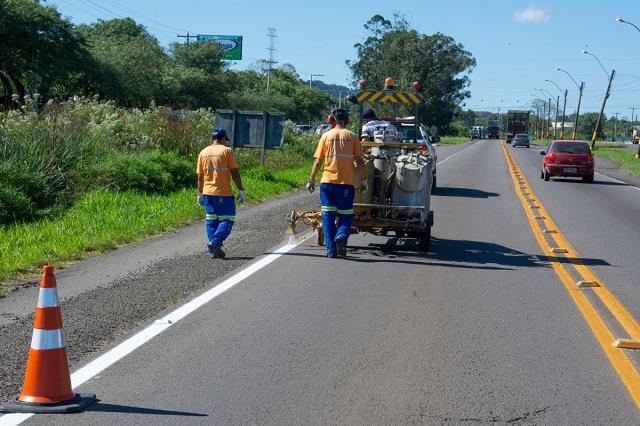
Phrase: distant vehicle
pixel 323 128
pixel 568 159
pixel 476 132
pixel 517 122
pixel 303 128
pixel 521 139
pixel 493 129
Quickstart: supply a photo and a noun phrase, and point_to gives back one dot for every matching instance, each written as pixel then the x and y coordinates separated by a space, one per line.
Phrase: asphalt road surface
pixel 479 331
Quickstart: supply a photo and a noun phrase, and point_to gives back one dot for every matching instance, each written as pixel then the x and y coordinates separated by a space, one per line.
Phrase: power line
pixel 122 7
pixel 114 14
pixel 97 7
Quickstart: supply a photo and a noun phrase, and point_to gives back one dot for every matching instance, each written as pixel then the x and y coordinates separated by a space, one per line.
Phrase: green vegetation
pixel 437 61
pixel 103 219
pixel 453 140
pixel 87 176
pixel 625 157
pixel 121 61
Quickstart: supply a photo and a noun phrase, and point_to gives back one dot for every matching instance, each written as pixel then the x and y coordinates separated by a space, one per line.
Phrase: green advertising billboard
pixel 231 45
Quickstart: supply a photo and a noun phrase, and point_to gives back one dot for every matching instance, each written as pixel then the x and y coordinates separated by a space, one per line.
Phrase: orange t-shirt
pixel 214 167
pixel 338 148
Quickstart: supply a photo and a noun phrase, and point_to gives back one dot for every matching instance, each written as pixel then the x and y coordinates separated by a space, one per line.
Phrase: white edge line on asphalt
pixel 114 355
pixel 618 181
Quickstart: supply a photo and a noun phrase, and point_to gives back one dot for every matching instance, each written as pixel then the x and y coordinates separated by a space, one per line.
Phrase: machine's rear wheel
pixel 424 239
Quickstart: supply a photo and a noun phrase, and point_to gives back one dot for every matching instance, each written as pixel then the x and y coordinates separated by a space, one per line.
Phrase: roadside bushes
pixel 50 160
pixel 154 172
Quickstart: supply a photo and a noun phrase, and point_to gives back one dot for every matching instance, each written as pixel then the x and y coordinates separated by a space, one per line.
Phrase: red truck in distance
pixel 517 122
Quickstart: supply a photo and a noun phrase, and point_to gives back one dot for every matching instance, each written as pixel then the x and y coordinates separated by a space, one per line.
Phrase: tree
pixel 195 76
pixel 130 61
pixel 587 124
pixel 438 61
pixel 39 48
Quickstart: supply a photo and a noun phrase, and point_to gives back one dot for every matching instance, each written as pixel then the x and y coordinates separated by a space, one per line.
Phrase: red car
pixel 568 159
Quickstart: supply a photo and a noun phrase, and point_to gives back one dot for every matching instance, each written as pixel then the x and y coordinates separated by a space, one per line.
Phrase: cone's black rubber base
pixel 79 403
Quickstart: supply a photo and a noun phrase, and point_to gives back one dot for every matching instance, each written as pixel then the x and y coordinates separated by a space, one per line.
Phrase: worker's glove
pixel 242 196
pixel 364 185
pixel 200 200
pixel 311 185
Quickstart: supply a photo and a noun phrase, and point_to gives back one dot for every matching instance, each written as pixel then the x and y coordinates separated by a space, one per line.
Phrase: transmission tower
pixel 269 63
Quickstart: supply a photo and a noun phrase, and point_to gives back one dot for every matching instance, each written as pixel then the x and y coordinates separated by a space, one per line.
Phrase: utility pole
pixel 604 102
pixel 555 124
pixel 311 80
pixel 564 109
pixel 549 117
pixel 188 36
pixel 615 126
pixel 633 110
pixel 575 122
pixel 272 54
pixel 544 113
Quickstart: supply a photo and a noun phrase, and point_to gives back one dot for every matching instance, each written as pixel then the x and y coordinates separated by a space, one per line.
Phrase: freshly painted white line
pixel 457 153
pixel 618 181
pixel 114 355
pixel 14 419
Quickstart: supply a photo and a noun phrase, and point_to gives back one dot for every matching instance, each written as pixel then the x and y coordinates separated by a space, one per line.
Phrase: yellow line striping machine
pixel 398 169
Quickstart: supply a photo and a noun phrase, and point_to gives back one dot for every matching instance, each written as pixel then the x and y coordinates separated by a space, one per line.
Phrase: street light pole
pixel 564 108
pixel 577 115
pixel 604 101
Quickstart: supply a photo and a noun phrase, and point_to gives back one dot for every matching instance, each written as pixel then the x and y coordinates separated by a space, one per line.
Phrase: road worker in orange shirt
pixel 337 149
pixel 216 168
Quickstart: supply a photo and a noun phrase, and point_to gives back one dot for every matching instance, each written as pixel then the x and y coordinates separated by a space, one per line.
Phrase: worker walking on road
pixel 337 148
pixel 216 167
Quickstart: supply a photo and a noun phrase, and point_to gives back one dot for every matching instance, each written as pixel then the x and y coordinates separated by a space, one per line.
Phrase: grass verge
pixel 102 220
pixel 625 157
pixel 453 140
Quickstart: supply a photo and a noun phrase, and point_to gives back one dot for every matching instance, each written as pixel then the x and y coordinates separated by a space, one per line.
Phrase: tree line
pixel 120 60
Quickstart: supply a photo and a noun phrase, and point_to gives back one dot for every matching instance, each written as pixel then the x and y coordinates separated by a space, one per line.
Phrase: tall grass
pixel 102 220
pixel 86 176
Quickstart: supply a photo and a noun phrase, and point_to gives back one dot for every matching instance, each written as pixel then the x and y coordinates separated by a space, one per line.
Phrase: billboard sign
pixel 231 45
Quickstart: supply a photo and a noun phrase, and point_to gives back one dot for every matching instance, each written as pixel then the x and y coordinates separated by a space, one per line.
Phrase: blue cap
pixel 369 114
pixel 218 133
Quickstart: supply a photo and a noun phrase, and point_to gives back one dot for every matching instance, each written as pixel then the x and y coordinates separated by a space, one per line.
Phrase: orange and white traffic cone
pixel 47 382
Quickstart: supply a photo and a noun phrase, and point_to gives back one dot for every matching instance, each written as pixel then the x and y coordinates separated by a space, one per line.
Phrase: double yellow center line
pixel 581 283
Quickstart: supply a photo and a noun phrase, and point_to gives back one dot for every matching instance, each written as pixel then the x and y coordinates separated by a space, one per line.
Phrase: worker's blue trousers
pixel 337 202
pixel 221 213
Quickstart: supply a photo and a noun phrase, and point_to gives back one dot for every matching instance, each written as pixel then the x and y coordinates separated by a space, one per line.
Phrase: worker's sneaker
pixel 215 251
pixel 341 246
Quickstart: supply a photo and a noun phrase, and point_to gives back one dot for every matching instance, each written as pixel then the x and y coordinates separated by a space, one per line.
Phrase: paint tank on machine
pixel 413 175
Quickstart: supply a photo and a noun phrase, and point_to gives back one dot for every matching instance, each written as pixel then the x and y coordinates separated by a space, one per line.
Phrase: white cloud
pixel 532 14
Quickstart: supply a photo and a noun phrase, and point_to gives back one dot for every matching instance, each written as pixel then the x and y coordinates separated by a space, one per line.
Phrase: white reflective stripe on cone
pixel 48 298
pixel 47 339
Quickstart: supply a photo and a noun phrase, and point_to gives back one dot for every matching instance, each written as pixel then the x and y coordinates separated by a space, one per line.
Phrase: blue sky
pixel 517 44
